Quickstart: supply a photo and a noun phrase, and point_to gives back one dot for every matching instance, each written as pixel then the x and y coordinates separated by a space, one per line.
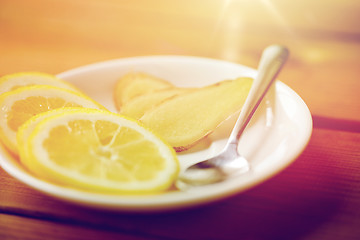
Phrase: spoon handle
pixel 272 60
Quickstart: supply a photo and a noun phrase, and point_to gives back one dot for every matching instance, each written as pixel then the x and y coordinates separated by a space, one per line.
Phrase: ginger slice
pixel 135 84
pixel 187 118
pixel 137 106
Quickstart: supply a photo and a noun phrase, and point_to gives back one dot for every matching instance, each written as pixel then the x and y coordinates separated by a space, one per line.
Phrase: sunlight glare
pixel 276 14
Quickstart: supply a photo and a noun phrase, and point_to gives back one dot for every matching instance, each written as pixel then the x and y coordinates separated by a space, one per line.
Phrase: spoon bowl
pixel 214 170
pixel 229 162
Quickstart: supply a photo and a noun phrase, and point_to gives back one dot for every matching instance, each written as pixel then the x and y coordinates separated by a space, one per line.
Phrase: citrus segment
pixel 28 127
pixel 19 105
pixel 99 151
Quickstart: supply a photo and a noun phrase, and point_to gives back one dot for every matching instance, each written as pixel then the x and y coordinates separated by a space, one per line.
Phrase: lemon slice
pixel 13 81
pixel 28 127
pixel 19 105
pixel 98 151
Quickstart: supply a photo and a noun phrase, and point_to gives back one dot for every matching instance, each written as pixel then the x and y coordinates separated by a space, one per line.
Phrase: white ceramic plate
pixel 278 133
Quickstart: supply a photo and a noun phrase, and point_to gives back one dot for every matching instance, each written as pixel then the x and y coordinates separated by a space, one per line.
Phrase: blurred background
pixel 323 37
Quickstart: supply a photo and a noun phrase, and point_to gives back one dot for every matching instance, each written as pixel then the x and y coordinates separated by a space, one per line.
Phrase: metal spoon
pixel 229 162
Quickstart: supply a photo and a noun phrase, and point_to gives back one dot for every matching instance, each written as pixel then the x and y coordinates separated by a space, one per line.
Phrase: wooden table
pixel 317 197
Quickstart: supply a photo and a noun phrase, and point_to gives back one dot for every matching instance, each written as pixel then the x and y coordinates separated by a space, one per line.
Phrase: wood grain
pixel 317 197
pixel 17 227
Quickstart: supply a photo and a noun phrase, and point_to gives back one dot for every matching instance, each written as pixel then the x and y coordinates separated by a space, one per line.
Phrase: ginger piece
pixel 137 106
pixel 187 118
pixel 135 84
